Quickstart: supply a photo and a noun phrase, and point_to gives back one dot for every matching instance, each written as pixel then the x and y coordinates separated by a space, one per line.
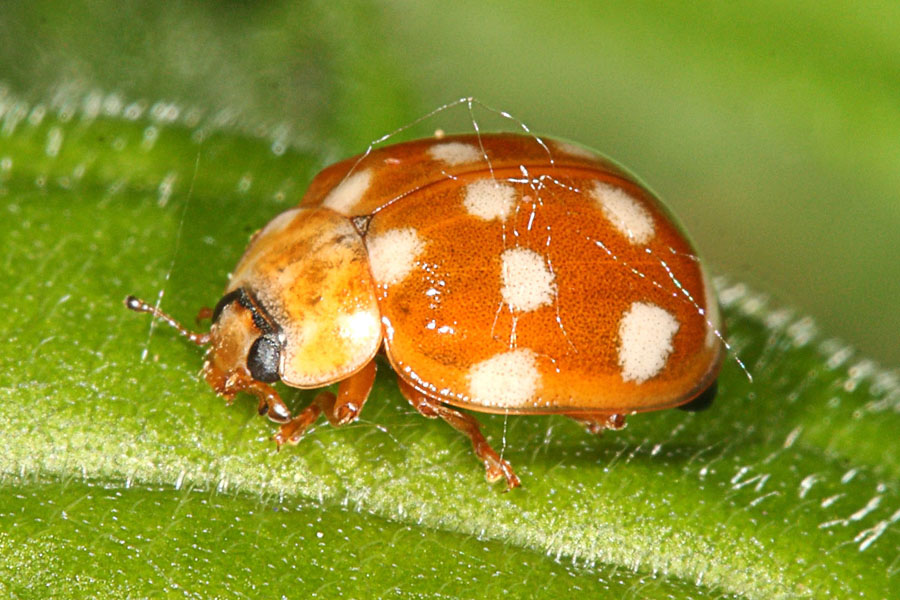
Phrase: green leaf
pixel 788 487
pixel 121 474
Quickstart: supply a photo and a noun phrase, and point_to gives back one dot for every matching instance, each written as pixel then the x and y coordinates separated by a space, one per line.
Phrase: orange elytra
pixel 499 273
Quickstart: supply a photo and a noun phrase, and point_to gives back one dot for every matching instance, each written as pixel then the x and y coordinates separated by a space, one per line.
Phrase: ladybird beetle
pixel 500 273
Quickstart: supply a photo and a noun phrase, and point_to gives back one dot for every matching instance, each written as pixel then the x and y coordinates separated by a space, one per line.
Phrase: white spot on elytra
pixel 645 341
pixel 575 150
pixel 488 199
pixel 359 327
pixel 280 222
pixel 393 254
pixel 508 379
pixel 347 194
pixel 527 282
pixel 624 212
pixel 455 153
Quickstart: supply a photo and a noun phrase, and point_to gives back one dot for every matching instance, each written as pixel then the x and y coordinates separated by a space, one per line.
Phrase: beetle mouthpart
pixel 137 305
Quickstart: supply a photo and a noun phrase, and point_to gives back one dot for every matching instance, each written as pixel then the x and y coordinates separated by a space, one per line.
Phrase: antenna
pixel 137 305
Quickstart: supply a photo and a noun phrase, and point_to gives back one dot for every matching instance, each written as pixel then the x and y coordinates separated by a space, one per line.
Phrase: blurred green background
pixel 772 129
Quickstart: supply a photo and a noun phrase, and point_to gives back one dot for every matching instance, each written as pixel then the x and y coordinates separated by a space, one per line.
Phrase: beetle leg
pixel 293 430
pixel 270 403
pixel 204 313
pixel 495 467
pixel 597 423
pixel 339 410
pixel 228 383
pixel 352 395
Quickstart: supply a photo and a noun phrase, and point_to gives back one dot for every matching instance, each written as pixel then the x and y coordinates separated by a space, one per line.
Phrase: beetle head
pixel 300 308
pixel 303 300
pixel 244 340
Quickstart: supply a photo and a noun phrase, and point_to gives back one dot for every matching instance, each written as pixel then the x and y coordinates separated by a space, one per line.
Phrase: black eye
pixel 263 359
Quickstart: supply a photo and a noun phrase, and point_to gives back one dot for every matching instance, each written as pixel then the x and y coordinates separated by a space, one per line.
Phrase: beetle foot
pixel 351 397
pixel 292 431
pixel 346 413
pixel 495 469
pixel 598 423
pixel 276 411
